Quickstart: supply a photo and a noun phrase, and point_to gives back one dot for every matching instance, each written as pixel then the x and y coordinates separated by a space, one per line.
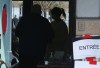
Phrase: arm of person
pixel 18 30
pixel 50 32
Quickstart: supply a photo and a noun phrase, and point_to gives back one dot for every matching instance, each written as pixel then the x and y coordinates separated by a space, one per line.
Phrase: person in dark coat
pixel 15 21
pixel 34 32
pixel 60 41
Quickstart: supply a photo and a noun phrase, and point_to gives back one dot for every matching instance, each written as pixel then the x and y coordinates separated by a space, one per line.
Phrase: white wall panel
pixel 88 8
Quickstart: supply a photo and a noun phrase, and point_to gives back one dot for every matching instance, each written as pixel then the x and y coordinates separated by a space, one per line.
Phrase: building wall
pixel 88 8
pixel 88 26
pixel 88 14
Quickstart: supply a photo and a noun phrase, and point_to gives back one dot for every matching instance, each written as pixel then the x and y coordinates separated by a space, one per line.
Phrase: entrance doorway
pixel 70 18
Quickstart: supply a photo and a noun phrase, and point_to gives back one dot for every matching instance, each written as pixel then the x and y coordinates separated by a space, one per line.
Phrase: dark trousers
pixel 29 61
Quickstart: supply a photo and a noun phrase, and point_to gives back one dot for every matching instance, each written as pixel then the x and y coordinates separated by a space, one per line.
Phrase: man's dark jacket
pixel 34 32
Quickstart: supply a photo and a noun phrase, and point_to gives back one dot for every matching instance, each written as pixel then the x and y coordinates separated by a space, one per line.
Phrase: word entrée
pixel 89 47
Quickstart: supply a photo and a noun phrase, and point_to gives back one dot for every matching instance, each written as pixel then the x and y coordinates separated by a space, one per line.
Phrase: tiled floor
pixel 55 66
